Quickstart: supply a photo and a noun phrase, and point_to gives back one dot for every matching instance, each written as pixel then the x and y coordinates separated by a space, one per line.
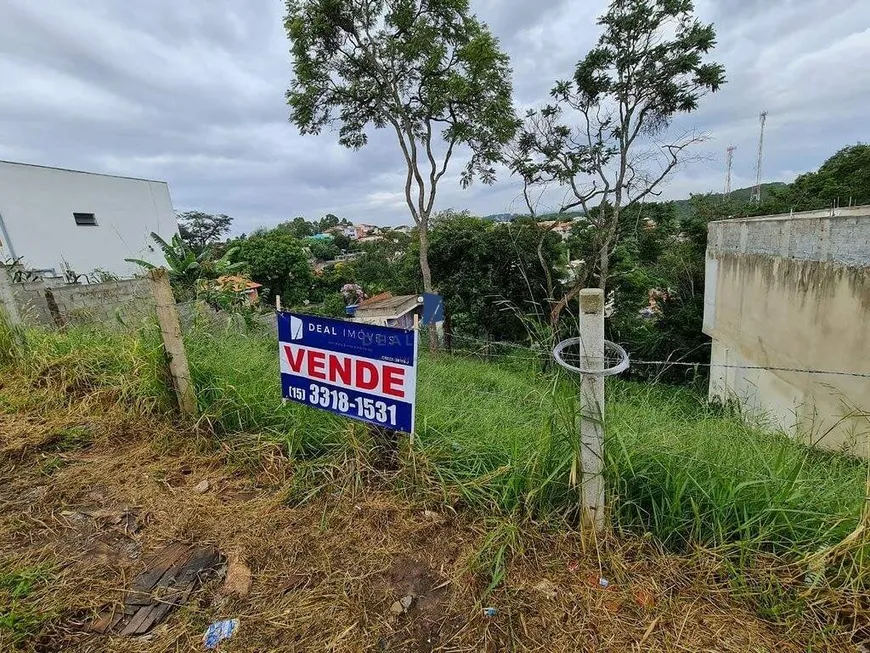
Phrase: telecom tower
pixel 729 159
pixel 756 192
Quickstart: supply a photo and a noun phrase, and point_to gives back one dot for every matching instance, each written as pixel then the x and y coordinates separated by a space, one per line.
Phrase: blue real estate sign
pixel 361 371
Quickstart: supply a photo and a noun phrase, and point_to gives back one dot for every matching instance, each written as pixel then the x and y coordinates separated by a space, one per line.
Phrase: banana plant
pixel 185 266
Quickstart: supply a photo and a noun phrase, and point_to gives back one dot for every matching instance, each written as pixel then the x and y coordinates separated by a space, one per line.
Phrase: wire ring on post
pixel 621 366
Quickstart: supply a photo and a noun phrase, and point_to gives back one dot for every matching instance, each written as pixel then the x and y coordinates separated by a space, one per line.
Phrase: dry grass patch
pixel 330 548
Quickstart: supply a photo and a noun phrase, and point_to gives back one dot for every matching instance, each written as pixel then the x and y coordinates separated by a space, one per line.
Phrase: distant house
pixel 363 230
pixel 561 227
pixel 345 230
pixel 55 219
pixel 388 310
pixel 242 286
pixel 320 237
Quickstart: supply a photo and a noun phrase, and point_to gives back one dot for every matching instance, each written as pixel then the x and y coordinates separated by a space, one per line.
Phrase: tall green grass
pixel 689 474
pixel 236 374
pixel 122 364
pixel 502 438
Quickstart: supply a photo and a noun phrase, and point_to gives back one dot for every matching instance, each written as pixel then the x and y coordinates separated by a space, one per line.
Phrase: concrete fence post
pixel 592 408
pixel 173 345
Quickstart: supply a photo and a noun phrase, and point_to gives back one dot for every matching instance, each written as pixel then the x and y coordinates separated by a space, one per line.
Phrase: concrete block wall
pixel 32 305
pixel 53 303
pixel 793 291
pixel 103 302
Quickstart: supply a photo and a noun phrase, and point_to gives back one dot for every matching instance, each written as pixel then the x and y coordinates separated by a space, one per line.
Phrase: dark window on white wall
pixel 85 219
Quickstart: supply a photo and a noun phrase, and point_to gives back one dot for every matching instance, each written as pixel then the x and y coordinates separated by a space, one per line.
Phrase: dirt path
pixel 84 502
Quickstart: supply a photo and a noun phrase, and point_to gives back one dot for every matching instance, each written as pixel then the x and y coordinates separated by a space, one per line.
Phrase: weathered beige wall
pixel 794 292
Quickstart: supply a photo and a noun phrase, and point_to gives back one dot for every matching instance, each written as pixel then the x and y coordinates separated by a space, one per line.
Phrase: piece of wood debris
pixel 170 577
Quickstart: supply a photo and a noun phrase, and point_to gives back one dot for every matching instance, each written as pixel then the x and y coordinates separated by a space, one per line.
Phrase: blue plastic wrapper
pixel 219 631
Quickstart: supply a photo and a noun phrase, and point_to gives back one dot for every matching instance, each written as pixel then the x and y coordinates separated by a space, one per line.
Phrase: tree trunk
pixel 603 266
pixel 604 252
pixel 427 275
pixel 424 256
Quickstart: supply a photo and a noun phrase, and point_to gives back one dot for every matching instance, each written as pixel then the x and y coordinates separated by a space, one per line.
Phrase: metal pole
pixel 592 408
pixel 5 240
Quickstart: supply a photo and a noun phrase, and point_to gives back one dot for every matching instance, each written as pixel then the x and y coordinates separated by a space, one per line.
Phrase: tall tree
pixel 331 220
pixel 842 180
pixel 199 230
pixel 647 68
pixel 298 227
pixel 277 260
pixel 429 70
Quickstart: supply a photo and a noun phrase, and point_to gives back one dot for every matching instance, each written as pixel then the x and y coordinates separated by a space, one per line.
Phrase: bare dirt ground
pixel 84 502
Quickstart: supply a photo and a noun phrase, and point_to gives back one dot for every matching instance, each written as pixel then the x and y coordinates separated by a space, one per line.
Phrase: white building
pixel 344 230
pixel 55 219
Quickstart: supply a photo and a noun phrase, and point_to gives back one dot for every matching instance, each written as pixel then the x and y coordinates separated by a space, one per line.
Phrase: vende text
pixel 348 371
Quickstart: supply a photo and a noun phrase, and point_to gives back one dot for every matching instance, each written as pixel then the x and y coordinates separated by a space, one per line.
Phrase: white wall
pixel 792 292
pixel 37 205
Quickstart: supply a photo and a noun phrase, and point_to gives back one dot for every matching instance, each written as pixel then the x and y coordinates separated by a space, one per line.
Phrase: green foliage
pixel 408 64
pixel 842 180
pixel 647 68
pixel 322 250
pixel 186 266
pixel 298 227
pixel 276 259
pixel 200 230
pixel 20 618
pixel 19 584
pixel 427 69
pixel 691 476
pixel 635 59
pixel 499 437
pixel 111 361
pixel 11 339
pixel 330 280
pixel 662 253
pixel 389 264
pixel 481 265
pixel 670 257
pixel 235 372
pixel 329 221
pixel 334 305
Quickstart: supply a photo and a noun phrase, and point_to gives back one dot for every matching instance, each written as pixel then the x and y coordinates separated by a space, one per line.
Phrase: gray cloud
pixel 193 93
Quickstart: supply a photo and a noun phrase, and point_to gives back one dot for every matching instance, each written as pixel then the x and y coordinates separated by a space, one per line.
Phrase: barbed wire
pixel 865 375
pixel 539 352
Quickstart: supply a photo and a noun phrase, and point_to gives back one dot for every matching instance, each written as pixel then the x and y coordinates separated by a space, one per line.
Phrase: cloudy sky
pixel 193 93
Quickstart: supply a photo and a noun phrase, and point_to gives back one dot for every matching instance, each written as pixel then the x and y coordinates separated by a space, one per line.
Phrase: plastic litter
pixel 604 582
pixel 490 612
pixel 218 632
